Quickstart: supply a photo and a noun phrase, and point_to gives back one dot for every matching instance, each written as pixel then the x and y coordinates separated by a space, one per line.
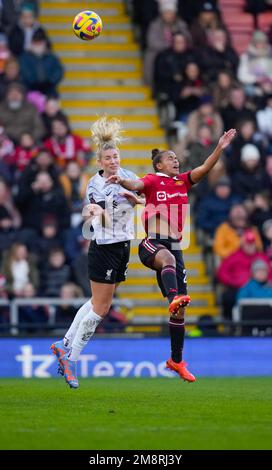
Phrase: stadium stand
pixel 35 163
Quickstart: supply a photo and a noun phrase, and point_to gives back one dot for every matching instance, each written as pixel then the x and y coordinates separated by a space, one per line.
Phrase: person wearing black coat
pixel 41 199
pixel 170 65
pixel 22 32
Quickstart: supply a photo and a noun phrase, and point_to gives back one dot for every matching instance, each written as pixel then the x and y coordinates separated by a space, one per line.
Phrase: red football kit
pixel 167 198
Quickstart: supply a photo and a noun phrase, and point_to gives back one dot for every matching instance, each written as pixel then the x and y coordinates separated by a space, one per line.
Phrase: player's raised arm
pixel 198 173
pixel 131 185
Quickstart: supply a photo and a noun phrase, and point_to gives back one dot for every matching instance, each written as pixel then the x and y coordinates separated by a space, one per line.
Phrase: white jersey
pixel 119 209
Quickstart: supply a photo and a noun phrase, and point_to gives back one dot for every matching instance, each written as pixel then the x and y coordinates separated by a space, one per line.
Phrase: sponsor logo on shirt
pixel 163 196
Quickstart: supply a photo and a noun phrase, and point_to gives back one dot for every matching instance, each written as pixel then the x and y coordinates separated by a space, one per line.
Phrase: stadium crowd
pixel 189 62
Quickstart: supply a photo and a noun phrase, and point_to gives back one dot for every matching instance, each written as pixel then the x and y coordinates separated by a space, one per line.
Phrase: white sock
pixel 84 332
pixel 81 313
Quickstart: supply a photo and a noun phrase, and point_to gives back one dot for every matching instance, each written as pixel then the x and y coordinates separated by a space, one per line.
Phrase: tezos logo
pixel 161 196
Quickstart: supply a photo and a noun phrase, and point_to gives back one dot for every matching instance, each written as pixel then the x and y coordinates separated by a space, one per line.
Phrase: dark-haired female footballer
pixel 166 195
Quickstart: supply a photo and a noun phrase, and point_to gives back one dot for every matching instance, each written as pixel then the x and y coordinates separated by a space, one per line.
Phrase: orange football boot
pixel 180 368
pixel 177 302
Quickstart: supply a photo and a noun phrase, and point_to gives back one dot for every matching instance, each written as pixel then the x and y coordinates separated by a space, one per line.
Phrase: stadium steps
pixel 105 76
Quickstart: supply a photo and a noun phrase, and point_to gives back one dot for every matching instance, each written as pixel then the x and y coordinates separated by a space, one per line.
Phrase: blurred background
pixel 178 74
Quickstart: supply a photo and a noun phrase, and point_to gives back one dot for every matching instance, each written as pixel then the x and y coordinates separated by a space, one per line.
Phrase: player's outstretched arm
pixel 198 173
pixel 131 185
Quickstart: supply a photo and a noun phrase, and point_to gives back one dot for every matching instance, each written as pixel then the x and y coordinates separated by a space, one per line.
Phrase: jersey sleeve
pixel 93 196
pixel 186 178
pixel 148 181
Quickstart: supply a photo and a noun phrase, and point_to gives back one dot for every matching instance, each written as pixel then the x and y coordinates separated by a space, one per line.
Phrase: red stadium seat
pixel 232 3
pixel 242 19
pixel 265 21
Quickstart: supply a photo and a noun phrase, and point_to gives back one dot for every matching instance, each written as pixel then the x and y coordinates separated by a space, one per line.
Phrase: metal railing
pixel 237 309
pixel 51 303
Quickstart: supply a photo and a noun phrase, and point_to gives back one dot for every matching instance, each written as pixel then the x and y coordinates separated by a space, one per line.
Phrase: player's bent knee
pixel 168 260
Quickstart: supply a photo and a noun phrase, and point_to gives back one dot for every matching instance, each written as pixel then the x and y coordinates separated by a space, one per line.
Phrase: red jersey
pixel 166 197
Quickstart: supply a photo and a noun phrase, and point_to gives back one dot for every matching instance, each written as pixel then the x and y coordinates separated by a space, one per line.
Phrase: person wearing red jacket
pixel 66 146
pixel 234 271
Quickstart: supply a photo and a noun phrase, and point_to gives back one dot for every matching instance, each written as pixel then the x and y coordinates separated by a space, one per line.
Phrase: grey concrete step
pixel 77 124
pixel 187 258
pixel 72 39
pixel 125 288
pixel 138 273
pixel 156 320
pixel 105 95
pixel 96 54
pixel 121 111
pixel 163 303
pixel 101 82
pixel 100 66
pixel 72 11
pixel 67 26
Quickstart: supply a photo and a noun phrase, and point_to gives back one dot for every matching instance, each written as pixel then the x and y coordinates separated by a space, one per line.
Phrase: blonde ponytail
pixel 107 133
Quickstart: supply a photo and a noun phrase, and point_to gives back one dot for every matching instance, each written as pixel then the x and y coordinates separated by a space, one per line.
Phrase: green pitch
pixel 136 414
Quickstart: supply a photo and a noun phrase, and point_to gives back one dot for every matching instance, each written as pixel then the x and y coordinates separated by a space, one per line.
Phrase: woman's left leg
pixel 102 295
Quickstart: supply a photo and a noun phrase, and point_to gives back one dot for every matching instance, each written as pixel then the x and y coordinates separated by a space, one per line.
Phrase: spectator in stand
pixel 11 74
pixel 256 64
pixel 192 89
pixel 234 271
pixel 246 135
pixel 170 65
pixel 261 210
pixel 66 146
pixel 21 34
pixel 48 239
pixel 264 120
pixel 208 20
pixel 218 56
pixel 268 175
pixel 205 115
pixel 7 205
pixel 32 314
pixel 249 180
pixel 237 110
pixel 258 287
pixel 24 152
pixel 52 110
pixel 41 199
pixel 54 274
pixel 4 53
pixel 8 234
pixel 18 116
pixel 160 35
pixel 80 268
pixel 221 90
pixel 19 268
pixel 10 11
pixel 42 162
pixel 66 313
pixel 9 219
pixel 267 234
pixel 214 208
pixel 199 150
pixel 228 235
pixel 40 69
pixel 6 146
pixel 74 182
